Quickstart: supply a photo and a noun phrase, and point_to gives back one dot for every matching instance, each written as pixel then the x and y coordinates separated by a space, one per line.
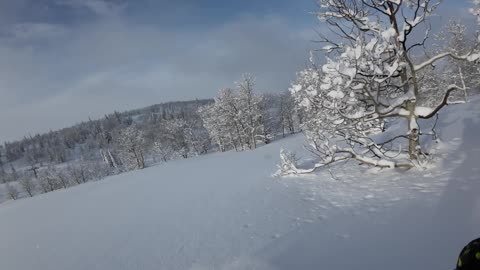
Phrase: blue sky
pixel 66 60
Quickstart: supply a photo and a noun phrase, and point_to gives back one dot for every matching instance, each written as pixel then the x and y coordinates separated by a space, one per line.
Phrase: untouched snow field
pixel 226 211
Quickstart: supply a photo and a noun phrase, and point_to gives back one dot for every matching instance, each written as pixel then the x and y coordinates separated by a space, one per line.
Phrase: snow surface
pixel 226 211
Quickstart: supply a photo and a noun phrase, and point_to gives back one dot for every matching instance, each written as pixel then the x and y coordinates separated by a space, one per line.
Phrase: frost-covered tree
pixel 287 113
pixel 271 116
pixel 47 183
pixel 174 134
pixel 372 74
pixel 32 162
pixel 56 149
pixel 196 136
pixel 105 141
pixel 164 150
pixel 236 119
pixel 475 10
pixel 28 185
pixel 250 112
pixel 63 178
pixel 109 157
pixel 77 174
pixel 131 144
pixel 221 121
pixel 454 37
pixel 51 179
pixel 12 191
pixel 13 151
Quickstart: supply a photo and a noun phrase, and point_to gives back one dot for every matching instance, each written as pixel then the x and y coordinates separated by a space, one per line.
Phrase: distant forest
pixel 238 119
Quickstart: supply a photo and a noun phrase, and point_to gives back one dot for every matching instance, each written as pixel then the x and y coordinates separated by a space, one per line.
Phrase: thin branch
pixel 442 104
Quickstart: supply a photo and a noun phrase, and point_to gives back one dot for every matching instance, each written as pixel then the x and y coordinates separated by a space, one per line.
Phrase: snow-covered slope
pixel 226 211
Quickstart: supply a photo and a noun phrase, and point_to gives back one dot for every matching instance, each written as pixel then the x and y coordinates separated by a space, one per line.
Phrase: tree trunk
pixel 413 132
pixel 253 145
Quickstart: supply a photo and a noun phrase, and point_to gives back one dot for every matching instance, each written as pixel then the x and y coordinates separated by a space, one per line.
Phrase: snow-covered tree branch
pixel 237 119
pixel 372 75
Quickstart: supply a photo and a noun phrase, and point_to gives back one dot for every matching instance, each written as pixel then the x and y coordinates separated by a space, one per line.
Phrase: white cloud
pixel 35 31
pixel 111 65
pixel 98 7
pixel 53 75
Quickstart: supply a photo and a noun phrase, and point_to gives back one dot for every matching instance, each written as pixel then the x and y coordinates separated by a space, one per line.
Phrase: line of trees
pixel 98 148
pixel 237 119
pixel 25 184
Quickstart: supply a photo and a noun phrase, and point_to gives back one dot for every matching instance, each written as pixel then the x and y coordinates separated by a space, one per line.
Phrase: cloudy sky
pixel 63 61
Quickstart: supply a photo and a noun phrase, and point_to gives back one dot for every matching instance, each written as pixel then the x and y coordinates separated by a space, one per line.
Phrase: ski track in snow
pixel 226 211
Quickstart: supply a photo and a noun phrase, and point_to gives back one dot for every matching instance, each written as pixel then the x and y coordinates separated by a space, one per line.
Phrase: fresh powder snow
pixel 227 211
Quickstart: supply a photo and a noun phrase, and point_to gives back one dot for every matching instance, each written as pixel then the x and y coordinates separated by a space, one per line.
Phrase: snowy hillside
pixel 226 211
